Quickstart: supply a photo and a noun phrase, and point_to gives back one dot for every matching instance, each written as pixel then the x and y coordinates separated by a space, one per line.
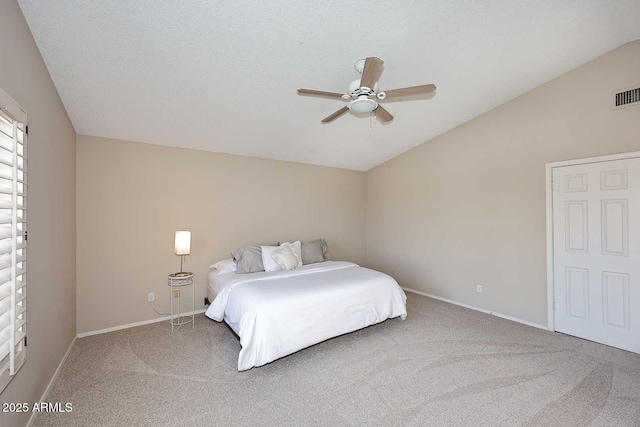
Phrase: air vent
pixel 626 97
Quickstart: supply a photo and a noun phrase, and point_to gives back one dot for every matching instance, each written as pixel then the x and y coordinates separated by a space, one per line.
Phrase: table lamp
pixel 182 245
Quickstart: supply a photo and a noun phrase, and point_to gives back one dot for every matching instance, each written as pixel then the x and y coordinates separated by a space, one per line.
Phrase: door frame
pixel 551 324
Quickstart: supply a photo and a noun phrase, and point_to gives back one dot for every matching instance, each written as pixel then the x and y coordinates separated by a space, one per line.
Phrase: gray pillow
pixel 315 251
pixel 248 259
pixel 325 249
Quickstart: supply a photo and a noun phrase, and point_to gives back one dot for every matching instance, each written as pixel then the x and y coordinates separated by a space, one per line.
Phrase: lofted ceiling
pixel 222 75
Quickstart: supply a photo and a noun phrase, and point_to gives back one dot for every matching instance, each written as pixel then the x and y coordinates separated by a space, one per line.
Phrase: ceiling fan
pixel 364 94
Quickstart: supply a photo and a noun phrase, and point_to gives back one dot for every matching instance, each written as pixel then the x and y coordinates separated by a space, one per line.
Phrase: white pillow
pixel 296 247
pixel 225 266
pixel 286 257
pixel 269 263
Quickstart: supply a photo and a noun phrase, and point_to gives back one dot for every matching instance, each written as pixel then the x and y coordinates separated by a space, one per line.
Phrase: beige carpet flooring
pixel 443 366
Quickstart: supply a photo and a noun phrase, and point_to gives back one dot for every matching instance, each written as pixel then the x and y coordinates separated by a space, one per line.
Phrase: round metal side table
pixel 177 281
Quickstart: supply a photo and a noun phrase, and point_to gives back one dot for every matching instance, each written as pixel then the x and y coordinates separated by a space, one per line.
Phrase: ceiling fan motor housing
pixel 355 89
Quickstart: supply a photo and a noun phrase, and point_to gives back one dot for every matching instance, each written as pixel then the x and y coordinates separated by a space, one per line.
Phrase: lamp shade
pixel 183 243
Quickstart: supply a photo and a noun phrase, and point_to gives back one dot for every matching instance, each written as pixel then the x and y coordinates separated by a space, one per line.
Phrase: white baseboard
pixel 133 325
pixel 53 378
pixel 482 310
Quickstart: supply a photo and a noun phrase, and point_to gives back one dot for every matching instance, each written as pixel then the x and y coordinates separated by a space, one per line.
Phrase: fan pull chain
pixel 371 124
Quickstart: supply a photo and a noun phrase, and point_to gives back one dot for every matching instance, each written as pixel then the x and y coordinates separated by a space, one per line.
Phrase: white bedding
pixel 279 313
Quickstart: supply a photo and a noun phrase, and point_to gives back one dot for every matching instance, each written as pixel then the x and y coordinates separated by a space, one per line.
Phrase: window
pixel 13 238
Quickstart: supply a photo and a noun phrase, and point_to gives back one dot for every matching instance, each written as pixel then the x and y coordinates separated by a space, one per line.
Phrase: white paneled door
pixel 596 244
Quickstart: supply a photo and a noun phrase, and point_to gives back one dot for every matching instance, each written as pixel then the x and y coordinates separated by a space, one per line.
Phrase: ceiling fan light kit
pixel 364 94
pixel 363 105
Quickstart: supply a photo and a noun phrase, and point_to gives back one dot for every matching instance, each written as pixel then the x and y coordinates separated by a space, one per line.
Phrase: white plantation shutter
pixel 13 238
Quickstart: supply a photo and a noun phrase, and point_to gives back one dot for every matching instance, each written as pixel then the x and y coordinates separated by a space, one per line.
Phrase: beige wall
pixel 469 206
pixel 132 197
pixel 51 254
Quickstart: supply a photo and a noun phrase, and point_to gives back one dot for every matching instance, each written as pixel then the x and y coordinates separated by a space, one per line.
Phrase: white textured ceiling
pixel 222 75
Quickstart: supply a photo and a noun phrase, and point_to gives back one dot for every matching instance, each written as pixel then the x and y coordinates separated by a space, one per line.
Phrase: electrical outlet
pixel 151 297
pixel 176 293
pixel 479 289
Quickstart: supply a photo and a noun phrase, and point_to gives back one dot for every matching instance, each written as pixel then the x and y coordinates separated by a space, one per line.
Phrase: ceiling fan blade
pixel 335 115
pixel 408 91
pixel 319 93
pixel 371 72
pixel 383 114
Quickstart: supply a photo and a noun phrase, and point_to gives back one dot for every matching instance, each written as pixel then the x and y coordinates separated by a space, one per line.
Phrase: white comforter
pixel 279 313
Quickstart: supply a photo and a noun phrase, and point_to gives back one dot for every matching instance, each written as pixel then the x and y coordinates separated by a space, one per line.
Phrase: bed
pixel 278 313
